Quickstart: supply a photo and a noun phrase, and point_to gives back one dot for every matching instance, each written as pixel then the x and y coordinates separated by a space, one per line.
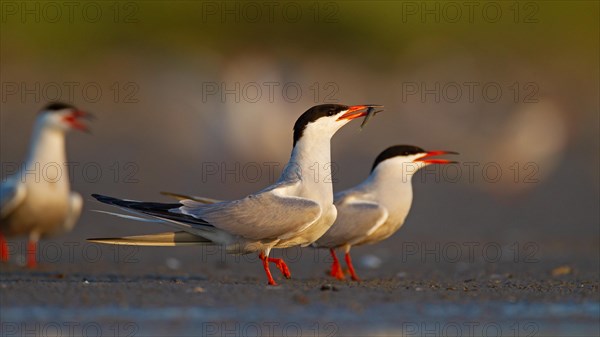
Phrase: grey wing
pixel 355 220
pixel 267 215
pixel 12 194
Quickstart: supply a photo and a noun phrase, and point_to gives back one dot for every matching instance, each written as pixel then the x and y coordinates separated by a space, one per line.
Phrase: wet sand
pixel 173 292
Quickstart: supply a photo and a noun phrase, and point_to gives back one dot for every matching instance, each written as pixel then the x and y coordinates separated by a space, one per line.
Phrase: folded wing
pixel 263 216
pixel 266 215
pixel 355 220
pixel 12 194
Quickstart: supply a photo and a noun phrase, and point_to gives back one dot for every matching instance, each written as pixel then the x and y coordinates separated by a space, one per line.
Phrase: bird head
pixel 329 118
pixel 409 155
pixel 64 117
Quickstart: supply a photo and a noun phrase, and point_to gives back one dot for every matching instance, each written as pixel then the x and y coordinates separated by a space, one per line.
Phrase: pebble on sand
pixel 562 270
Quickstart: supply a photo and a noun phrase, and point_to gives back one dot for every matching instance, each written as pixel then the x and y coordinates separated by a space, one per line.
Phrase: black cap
pixel 314 113
pixel 56 106
pixel 395 151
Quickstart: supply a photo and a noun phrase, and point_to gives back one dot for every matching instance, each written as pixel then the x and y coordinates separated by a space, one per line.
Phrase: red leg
pixel 351 267
pixel 266 266
pixel 3 249
pixel 336 267
pixel 31 254
pixel 281 266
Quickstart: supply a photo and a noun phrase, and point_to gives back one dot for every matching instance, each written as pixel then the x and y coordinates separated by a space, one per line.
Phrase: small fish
pixel 371 111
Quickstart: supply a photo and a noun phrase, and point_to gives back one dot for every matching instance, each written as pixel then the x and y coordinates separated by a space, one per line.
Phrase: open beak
pixel 357 111
pixel 74 120
pixel 429 154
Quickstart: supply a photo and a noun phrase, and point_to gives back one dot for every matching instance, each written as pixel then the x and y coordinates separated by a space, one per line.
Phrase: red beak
pixel 436 161
pixel 357 111
pixel 74 120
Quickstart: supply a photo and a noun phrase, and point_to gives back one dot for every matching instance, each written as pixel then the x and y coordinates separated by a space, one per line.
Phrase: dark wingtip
pixel 103 198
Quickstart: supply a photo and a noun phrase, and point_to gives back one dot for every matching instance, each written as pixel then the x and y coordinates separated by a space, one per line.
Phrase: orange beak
pixel 357 111
pixel 436 161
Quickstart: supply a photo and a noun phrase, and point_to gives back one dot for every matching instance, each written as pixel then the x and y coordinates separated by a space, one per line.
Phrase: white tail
pixel 158 240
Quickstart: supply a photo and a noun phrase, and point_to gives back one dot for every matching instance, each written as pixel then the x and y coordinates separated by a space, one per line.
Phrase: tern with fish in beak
pixel 295 211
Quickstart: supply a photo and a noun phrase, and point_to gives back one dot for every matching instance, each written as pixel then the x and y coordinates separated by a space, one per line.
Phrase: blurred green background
pixel 156 75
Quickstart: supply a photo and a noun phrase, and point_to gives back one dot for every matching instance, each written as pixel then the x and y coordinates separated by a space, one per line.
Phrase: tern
pixel 376 208
pixel 296 210
pixel 37 201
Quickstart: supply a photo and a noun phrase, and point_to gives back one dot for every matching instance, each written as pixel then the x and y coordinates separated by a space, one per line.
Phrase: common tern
pixel 296 210
pixel 376 208
pixel 37 200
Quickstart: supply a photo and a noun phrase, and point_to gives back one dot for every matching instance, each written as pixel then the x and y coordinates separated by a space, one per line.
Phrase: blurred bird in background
pixel 37 201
